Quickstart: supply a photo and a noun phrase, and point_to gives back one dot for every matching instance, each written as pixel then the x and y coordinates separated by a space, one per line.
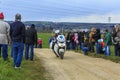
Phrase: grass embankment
pixel 31 70
pixel 112 57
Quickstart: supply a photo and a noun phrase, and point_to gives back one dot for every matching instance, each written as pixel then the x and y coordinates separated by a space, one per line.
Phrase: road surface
pixel 76 66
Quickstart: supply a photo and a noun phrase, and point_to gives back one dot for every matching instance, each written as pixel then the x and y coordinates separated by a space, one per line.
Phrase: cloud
pixel 115 18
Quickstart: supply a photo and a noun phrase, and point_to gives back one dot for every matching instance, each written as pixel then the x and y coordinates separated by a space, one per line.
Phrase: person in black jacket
pixel 82 39
pixel 116 36
pixel 30 41
pixel 17 34
pixel 97 36
pixel 68 41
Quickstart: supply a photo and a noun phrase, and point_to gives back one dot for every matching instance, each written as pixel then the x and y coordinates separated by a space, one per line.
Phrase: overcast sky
pixel 96 11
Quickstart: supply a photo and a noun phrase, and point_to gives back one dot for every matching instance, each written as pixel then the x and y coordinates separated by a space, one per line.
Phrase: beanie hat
pixel 32 26
pixel 18 17
pixel 1 15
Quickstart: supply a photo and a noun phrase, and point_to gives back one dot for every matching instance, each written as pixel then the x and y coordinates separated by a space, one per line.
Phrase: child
pixel 101 45
pixel 39 43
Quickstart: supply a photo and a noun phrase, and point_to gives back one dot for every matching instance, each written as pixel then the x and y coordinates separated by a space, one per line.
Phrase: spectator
pixel 4 36
pixel 76 42
pixel 85 46
pixel 117 39
pixel 81 38
pixel 72 43
pixel 30 41
pixel 17 33
pixel 92 39
pixel 97 36
pixel 108 42
pixel 115 31
pixel 101 45
pixel 68 41
pixel 39 43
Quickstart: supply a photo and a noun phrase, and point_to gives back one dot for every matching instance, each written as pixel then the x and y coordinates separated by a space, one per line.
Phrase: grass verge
pixel 31 70
pixel 45 37
pixel 112 57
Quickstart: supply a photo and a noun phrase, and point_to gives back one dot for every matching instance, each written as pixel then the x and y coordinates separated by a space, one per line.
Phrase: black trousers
pixel 92 46
pixel 117 50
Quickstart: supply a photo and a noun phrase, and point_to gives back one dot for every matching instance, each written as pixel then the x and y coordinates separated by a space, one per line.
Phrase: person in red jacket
pixel 39 43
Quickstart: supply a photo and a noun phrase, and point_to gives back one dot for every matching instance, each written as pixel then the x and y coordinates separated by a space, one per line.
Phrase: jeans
pixel 97 48
pixel 4 48
pixel 17 51
pixel 72 46
pixel 31 46
pixel 107 50
pixel 85 49
pixel 81 46
pixel 68 45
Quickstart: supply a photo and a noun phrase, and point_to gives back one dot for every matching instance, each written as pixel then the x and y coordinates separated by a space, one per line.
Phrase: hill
pixel 67 26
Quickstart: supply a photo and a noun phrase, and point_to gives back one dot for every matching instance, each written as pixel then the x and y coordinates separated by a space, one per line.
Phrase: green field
pixel 45 37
